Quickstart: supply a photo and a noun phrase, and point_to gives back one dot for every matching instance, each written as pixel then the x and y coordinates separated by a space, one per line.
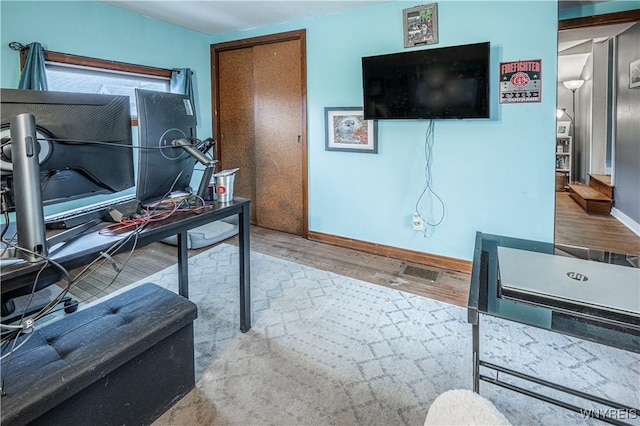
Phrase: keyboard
pixel 71 218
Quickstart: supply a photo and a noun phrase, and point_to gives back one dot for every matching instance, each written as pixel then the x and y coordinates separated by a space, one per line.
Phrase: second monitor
pixel 163 168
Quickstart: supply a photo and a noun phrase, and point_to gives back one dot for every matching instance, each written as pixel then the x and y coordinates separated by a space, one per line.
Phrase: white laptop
pixel 570 280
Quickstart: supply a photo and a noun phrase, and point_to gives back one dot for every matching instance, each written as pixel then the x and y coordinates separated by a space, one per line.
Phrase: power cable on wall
pixel 428 193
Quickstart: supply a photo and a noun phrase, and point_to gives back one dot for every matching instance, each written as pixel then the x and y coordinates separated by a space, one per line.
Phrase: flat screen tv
pixel 443 83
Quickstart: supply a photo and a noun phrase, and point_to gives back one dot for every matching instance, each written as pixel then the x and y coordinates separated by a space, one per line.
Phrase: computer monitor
pixel 85 143
pixel 163 167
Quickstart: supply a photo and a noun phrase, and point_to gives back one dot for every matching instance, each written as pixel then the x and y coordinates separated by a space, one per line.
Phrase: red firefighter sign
pixel 521 81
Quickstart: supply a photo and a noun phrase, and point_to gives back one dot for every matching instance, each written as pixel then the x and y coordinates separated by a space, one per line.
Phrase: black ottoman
pixel 123 361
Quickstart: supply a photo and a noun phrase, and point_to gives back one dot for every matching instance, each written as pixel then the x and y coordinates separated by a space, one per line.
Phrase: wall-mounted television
pixel 442 83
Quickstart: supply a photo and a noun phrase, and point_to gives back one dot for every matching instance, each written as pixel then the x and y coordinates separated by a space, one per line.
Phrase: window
pixel 72 78
pixel 71 73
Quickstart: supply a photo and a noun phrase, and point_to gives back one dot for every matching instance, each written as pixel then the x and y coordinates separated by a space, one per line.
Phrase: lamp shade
pixel 573 84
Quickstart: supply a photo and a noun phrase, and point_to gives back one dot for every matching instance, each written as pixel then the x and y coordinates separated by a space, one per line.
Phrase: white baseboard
pixel 626 221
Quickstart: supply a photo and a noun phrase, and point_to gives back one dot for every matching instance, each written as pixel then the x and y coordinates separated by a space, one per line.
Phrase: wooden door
pixel 278 145
pixel 237 127
pixel 259 93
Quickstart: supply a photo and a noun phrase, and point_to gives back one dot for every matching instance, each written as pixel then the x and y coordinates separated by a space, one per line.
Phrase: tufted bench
pixel 122 361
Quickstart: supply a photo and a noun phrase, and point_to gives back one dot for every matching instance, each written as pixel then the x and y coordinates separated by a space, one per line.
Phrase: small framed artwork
pixel 347 130
pixel 634 74
pixel 562 129
pixel 420 25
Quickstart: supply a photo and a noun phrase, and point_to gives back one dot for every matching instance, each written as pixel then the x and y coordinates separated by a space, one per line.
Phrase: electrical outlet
pixel 418 225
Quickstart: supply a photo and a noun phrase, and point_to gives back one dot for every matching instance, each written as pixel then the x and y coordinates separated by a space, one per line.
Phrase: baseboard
pixel 626 221
pixel 394 252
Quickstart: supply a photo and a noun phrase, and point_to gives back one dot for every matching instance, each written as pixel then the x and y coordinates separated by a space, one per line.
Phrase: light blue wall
pixel 97 30
pixel 599 9
pixel 495 175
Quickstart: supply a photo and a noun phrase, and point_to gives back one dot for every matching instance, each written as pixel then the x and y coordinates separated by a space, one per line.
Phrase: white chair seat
pixel 464 407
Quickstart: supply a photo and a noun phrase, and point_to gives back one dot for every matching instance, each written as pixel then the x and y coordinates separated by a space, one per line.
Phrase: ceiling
pixel 219 16
pixel 574 47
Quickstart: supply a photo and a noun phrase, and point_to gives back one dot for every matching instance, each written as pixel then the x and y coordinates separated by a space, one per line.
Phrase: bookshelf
pixel 563 157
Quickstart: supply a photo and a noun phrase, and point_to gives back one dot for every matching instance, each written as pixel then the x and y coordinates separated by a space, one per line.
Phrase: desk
pixel 618 330
pixel 85 248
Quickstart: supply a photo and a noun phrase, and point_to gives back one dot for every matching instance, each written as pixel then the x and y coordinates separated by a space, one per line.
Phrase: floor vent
pixel 420 272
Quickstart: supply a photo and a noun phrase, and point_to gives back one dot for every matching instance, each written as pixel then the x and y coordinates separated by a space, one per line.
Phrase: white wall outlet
pixel 418 224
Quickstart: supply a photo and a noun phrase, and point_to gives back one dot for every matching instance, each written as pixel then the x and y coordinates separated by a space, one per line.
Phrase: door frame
pixel 216 49
pixel 605 19
pixel 585 22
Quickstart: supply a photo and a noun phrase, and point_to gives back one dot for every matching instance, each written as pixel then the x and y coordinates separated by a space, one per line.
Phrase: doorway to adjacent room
pixel 595 131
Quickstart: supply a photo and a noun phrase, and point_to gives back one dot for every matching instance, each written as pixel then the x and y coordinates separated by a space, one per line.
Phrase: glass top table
pixel 585 293
pixel 491 293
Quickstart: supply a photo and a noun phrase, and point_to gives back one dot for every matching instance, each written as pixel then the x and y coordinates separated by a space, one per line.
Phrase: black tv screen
pixel 448 82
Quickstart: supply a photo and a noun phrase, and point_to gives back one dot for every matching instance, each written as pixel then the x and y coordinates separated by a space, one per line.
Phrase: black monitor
pixel 85 144
pixel 163 167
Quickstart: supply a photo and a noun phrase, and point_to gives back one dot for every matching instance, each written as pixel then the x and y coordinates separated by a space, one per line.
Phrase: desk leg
pixel 245 269
pixel 475 331
pixel 183 265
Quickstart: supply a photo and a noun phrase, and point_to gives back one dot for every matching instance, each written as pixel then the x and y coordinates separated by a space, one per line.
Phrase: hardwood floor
pixel 573 227
pixel 576 227
pixel 450 286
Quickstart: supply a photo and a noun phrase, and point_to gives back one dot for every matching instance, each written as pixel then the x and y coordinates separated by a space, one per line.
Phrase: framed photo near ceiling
pixel 420 25
pixel 347 130
pixel 634 74
pixel 562 129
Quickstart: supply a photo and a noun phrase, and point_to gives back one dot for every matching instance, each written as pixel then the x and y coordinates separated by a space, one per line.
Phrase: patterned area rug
pixel 329 350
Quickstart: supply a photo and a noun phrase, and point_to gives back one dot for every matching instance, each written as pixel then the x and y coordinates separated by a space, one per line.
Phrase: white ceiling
pixel 572 62
pixel 218 16
pixel 570 38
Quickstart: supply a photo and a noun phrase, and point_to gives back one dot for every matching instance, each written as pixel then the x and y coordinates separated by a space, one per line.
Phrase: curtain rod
pixel 14 45
pixel 17 46
pixel 66 58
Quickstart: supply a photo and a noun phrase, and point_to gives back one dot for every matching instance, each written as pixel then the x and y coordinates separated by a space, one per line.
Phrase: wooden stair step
pixel 588 192
pixel 602 183
pixel 605 179
pixel 590 199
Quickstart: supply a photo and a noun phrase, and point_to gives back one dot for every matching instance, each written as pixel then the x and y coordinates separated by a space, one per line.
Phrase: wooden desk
pixel 87 247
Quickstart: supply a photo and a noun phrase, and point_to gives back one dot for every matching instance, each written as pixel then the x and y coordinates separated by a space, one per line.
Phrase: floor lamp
pixel 573 85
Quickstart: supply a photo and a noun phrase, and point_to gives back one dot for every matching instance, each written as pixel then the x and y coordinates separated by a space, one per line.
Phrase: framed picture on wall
pixel 634 74
pixel 420 25
pixel 347 130
pixel 562 129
